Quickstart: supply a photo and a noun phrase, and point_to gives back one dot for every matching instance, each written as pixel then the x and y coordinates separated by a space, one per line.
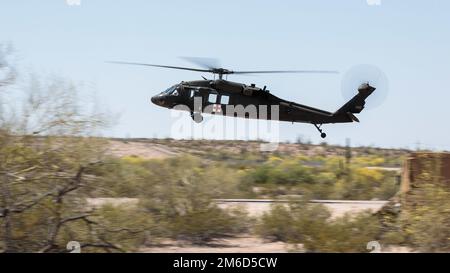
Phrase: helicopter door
pixel 194 93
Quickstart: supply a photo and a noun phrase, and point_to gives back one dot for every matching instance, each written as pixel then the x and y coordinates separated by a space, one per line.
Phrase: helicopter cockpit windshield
pixel 171 91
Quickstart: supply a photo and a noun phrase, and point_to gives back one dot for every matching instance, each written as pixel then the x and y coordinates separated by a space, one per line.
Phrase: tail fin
pixel 356 104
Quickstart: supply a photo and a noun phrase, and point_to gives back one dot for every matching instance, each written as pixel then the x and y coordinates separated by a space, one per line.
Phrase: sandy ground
pixel 337 207
pixel 244 244
pixel 116 202
pixel 151 148
pixel 144 150
pixel 256 207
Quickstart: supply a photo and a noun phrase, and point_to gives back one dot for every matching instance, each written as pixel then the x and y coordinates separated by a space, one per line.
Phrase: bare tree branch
pixel 21 207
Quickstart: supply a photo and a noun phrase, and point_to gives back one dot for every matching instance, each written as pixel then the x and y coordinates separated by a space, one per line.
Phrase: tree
pixel 48 158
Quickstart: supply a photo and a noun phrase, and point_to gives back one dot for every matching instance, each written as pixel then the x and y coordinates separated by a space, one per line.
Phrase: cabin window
pixel 212 98
pixel 224 99
pixel 192 94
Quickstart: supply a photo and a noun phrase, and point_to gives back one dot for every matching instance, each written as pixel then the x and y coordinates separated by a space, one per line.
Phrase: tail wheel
pixel 318 127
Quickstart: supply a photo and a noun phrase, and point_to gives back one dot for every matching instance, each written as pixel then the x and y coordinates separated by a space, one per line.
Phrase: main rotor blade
pixel 209 63
pixel 212 68
pixel 287 71
pixel 164 66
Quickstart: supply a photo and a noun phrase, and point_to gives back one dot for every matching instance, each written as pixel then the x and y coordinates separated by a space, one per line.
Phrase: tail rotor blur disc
pixel 365 73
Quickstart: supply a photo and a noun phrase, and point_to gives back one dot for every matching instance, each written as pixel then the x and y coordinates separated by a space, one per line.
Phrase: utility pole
pixel 348 152
pixel 348 159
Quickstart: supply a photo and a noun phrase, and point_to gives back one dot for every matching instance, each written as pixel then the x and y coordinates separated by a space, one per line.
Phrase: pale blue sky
pixel 408 40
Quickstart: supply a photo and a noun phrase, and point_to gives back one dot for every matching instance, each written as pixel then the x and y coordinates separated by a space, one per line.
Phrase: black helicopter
pixel 217 95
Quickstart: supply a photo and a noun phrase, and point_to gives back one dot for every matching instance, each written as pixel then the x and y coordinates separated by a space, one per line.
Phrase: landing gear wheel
pixel 197 117
pixel 322 134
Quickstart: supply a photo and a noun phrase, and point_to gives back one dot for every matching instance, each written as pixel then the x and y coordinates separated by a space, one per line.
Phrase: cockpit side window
pixel 212 98
pixel 224 99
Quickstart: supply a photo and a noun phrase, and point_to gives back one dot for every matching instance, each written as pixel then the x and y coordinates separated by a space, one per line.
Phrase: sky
pixel 408 40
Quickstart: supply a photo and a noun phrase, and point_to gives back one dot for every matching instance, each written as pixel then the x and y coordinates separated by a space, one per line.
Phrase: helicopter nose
pixel 156 100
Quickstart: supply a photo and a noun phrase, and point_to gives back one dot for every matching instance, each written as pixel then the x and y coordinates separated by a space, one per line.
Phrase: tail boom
pixel 356 104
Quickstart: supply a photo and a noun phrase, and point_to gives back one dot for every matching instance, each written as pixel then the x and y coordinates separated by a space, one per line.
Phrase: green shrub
pixel 345 234
pixel 291 223
pixel 204 225
pixel 270 226
pixel 312 226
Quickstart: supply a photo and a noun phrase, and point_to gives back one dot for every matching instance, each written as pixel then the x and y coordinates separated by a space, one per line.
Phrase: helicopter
pixel 218 96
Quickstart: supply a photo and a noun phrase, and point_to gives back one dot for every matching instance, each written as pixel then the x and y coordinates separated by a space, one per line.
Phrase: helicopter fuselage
pixel 226 98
